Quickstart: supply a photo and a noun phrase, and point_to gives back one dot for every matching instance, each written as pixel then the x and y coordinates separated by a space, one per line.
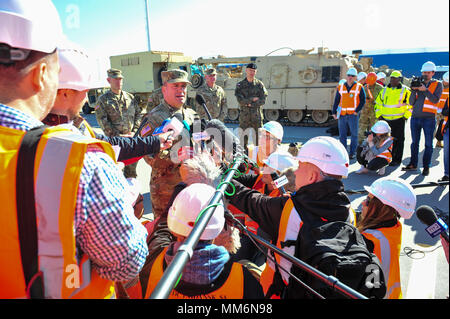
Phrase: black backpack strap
pixel 26 213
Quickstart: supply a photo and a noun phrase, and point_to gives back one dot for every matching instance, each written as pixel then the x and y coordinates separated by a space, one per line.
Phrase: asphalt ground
pixel 424 268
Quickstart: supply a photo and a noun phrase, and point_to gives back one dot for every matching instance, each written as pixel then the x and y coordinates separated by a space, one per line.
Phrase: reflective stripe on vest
pixel 290 224
pixel 233 288
pixel 442 100
pixel 289 228
pixel 349 100
pixel 393 111
pixel 58 164
pixel 387 154
pixel 429 107
pixel 387 242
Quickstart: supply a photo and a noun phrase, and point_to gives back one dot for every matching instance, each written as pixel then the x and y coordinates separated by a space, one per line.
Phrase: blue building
pixel 410 61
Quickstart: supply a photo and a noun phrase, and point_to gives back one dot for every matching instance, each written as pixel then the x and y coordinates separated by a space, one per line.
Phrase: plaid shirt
pixel 105 226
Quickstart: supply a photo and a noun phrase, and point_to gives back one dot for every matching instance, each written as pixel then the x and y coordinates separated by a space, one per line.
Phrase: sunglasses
pixel 351 76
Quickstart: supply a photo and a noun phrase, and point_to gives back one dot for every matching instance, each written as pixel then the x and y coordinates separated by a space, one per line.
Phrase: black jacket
pixel 324 199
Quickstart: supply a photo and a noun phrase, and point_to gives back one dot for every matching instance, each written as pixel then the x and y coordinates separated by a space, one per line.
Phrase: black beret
pixel 252 66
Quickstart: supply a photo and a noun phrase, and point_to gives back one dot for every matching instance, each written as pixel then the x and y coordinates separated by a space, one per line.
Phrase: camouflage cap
pixel 115 74
pixel 174 76
pixel 210 71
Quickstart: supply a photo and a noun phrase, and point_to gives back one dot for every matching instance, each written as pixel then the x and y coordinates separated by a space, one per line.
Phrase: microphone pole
pixel 172 274
pixel 329 280
pixel 200 100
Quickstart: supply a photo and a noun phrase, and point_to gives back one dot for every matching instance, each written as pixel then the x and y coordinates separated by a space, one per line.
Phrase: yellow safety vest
pixel 387 242
pixel 58 165
pixel 393 103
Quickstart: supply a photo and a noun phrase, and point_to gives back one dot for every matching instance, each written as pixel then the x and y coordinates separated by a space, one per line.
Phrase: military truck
pixel 93 96
pixel 142 70
pixel 300 85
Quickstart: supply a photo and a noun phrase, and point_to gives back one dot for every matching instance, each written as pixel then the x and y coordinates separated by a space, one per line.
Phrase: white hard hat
pixel 445 77
pixel 381 127
pixel 381 75
pixel 274 128
pixel 361 75
pixel 280 161
pixel 352 71
pixel 30 25
pixel 76 68
pixel 396 193
pixel 186 207
pixel 428 67
pixel 327 153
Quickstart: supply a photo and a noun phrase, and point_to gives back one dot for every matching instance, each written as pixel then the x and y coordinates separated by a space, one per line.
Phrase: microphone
pixel 173 124
pixel 436 226
pixel 228 138
pixel 200 100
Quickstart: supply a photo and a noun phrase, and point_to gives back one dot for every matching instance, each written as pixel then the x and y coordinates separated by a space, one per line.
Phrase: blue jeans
pixel 417 125
pixel 446 149
pixel 345 123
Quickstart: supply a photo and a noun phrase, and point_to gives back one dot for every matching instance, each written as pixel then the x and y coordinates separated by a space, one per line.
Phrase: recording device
pixel 174 124
pixel 436 226
pixel 367 133
pixel 279 181
pixel 417 81
pixel 200 100
pixel 230 143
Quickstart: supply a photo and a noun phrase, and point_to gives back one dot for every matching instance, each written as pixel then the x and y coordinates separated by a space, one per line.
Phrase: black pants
pixel 398 133
pixel 373 165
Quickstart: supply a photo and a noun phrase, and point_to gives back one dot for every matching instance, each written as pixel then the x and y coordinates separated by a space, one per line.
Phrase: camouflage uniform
pixel 155 99
pixel 367 116
pixel 165 172
pixel 118 114
pixel 215 98
pixel 250 113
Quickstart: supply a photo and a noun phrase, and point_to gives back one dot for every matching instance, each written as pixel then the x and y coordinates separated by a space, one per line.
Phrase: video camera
pixel 417 81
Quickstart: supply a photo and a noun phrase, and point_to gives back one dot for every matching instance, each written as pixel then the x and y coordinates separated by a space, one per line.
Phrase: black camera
pixel 367 133
pixel 417 81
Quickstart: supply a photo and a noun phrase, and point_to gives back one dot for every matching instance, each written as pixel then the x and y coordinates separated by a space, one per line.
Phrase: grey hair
pixel 200 169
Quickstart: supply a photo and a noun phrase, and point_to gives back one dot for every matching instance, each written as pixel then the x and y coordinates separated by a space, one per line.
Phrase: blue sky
pixel 252 27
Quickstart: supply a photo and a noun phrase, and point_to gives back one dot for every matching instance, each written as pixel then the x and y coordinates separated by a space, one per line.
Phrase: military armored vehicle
pixel 301 85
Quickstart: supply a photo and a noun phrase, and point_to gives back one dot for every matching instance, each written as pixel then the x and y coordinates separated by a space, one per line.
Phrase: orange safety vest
pixel 427 105
pixel 253 154
pixel 58 164
pixel 244 218
pixel 387 242
pixel 233 288
pixel 442 100
pixel 349 100
pixel 387 154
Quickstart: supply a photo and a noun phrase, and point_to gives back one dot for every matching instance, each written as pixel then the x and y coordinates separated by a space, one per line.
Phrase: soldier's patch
pixel 145 130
